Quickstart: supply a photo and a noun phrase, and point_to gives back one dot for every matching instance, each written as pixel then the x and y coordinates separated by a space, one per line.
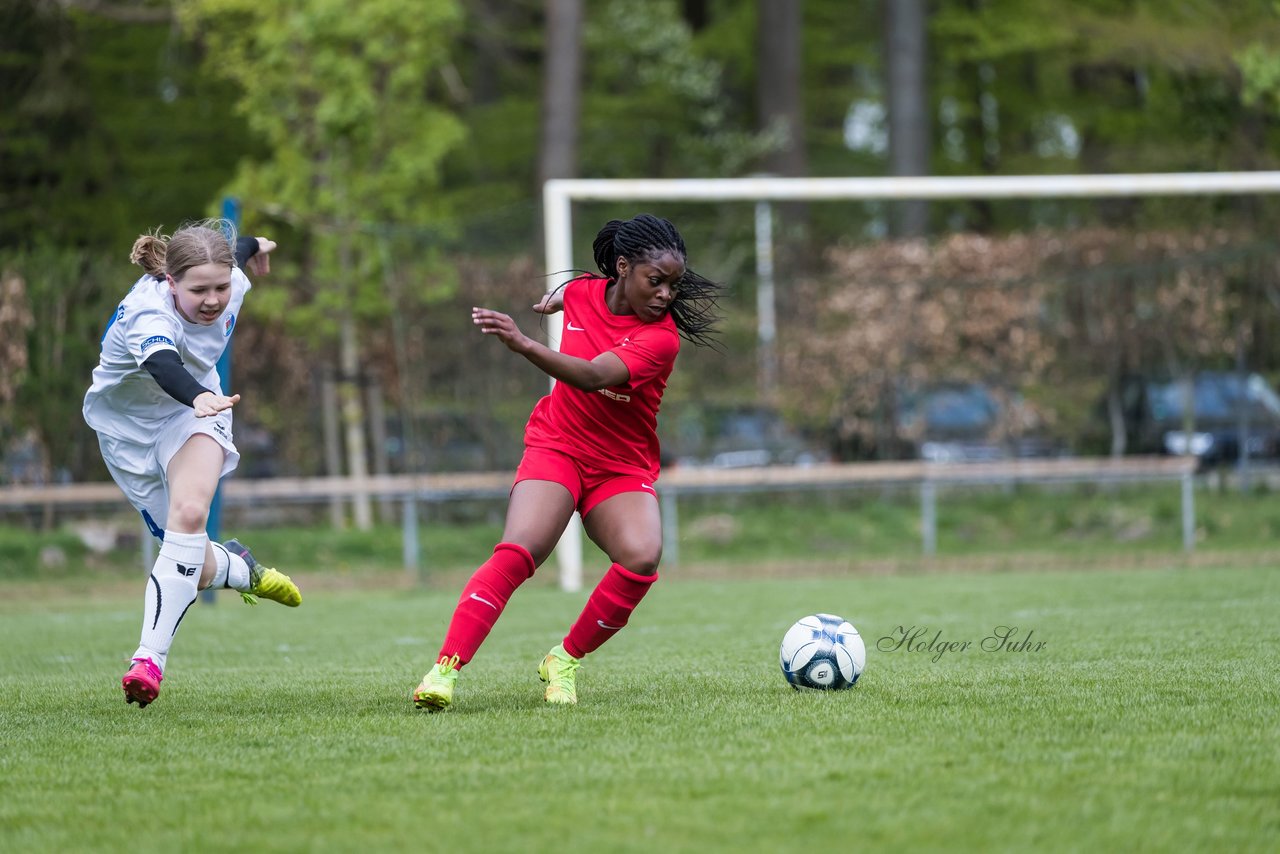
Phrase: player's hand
pixel 496 323
pixel 551 303
pixel 260 263
pixel 207 403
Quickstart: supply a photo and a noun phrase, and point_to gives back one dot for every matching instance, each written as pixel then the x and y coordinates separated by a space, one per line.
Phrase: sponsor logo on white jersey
pixel 156 341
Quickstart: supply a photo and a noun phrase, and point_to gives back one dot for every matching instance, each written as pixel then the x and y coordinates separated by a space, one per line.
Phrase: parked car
pixel 738 437
pixel 971 422
pixel 1222 402
pixel 444 441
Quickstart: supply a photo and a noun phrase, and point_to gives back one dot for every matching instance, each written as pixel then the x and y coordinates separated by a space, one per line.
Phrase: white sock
pixel 232 572
pixel 172 587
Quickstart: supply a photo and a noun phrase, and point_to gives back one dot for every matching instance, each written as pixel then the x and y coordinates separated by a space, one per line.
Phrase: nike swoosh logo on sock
pixel 602 624
pixel 485 601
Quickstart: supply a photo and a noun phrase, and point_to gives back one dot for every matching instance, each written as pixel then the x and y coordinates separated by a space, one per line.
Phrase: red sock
pixel 607 609
pixel 483 599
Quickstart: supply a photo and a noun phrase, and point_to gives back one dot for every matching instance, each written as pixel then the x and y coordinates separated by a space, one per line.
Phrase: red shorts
pixel 587 484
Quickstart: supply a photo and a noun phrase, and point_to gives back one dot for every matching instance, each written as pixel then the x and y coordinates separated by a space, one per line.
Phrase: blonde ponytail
pixel 149 252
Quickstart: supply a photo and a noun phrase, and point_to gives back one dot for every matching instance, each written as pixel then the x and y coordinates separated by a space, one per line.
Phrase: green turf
pixel 1149 720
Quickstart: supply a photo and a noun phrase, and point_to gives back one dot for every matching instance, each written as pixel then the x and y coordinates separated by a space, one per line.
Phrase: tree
pixel 908 104
pixel 778 85
pixel 98 129
pixel 1259 63
pixel 561 90
pixel 347 108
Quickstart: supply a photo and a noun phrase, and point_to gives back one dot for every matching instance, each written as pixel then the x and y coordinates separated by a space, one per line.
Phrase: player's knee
pixel 641 561
pixel 188 517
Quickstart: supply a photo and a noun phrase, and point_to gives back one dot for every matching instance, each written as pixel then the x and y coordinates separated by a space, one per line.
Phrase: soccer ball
pixel 823 652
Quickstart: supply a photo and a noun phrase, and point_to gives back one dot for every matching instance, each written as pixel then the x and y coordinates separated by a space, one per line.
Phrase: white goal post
pixel 559 195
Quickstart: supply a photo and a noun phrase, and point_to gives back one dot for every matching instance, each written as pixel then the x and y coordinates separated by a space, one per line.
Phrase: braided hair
pixel 645 237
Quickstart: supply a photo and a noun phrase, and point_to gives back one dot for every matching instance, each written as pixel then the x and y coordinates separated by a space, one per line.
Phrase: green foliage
pixel 71 294
pixel 1140 725
pixel 348 111
pixel 1028 86
pixel 1260 65
pixel 389 145
pixel 105 131
pixel 648 78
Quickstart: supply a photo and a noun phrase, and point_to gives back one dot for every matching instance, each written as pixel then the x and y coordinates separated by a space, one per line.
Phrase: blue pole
pixel 230 211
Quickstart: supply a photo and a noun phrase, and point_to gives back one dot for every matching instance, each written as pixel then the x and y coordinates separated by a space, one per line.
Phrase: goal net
pixel 1075 320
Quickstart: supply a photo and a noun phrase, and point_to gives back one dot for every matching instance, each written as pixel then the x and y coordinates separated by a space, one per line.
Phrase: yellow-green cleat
pixel 435 693
pixel 265 582
pixel 559 670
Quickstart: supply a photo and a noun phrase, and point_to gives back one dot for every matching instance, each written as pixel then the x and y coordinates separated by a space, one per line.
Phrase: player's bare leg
pixel 537 515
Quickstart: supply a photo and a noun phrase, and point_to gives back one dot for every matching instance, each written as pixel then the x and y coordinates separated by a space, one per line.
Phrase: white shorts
pixel 142 470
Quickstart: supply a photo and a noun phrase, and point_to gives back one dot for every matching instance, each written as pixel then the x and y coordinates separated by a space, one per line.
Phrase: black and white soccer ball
pixel 823 652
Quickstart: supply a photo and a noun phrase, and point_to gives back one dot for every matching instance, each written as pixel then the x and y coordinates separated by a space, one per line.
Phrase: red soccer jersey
pixel 615 428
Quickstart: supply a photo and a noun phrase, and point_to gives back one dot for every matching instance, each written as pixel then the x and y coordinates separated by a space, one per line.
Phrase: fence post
pixel 929 516
pixel 1188 513
pixel 670 526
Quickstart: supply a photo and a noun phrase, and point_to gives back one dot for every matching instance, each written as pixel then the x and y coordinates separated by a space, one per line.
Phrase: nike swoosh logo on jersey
pixel 648 487
pixel 602 624
pixel 485 601
pixel 573 328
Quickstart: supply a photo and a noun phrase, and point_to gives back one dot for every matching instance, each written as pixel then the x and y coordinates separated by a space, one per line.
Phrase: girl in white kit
pixel 164 425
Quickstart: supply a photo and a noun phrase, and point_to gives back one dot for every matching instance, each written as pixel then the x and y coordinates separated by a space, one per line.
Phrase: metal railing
pixel 413 490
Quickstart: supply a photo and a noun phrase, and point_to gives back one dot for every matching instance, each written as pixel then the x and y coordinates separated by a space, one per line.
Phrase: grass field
pixel 1149 720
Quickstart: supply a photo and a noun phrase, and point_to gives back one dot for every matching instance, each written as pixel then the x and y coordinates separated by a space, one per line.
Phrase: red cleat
pixel 141 682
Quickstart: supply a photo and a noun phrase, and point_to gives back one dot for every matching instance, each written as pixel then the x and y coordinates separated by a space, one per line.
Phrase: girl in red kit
pixel 591 445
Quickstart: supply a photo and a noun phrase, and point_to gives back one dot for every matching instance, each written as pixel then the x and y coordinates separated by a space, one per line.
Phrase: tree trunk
pixel 696 14
pixel 778 84
pixel 779 88
pixel 349 391
pixel 979 132
pixel 1115 88
pixel 353 420
pixel 1115 418
pixel 378 435
pixel 332 454
pixel 561 91
pixel 908 106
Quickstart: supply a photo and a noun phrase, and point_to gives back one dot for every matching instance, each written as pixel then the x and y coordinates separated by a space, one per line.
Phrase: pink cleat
pixel 141 682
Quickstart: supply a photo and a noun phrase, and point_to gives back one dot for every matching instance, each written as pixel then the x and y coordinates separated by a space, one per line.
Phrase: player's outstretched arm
pixel 601 372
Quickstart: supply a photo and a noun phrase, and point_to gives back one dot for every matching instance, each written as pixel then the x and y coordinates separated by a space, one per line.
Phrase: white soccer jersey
pixel 124 401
